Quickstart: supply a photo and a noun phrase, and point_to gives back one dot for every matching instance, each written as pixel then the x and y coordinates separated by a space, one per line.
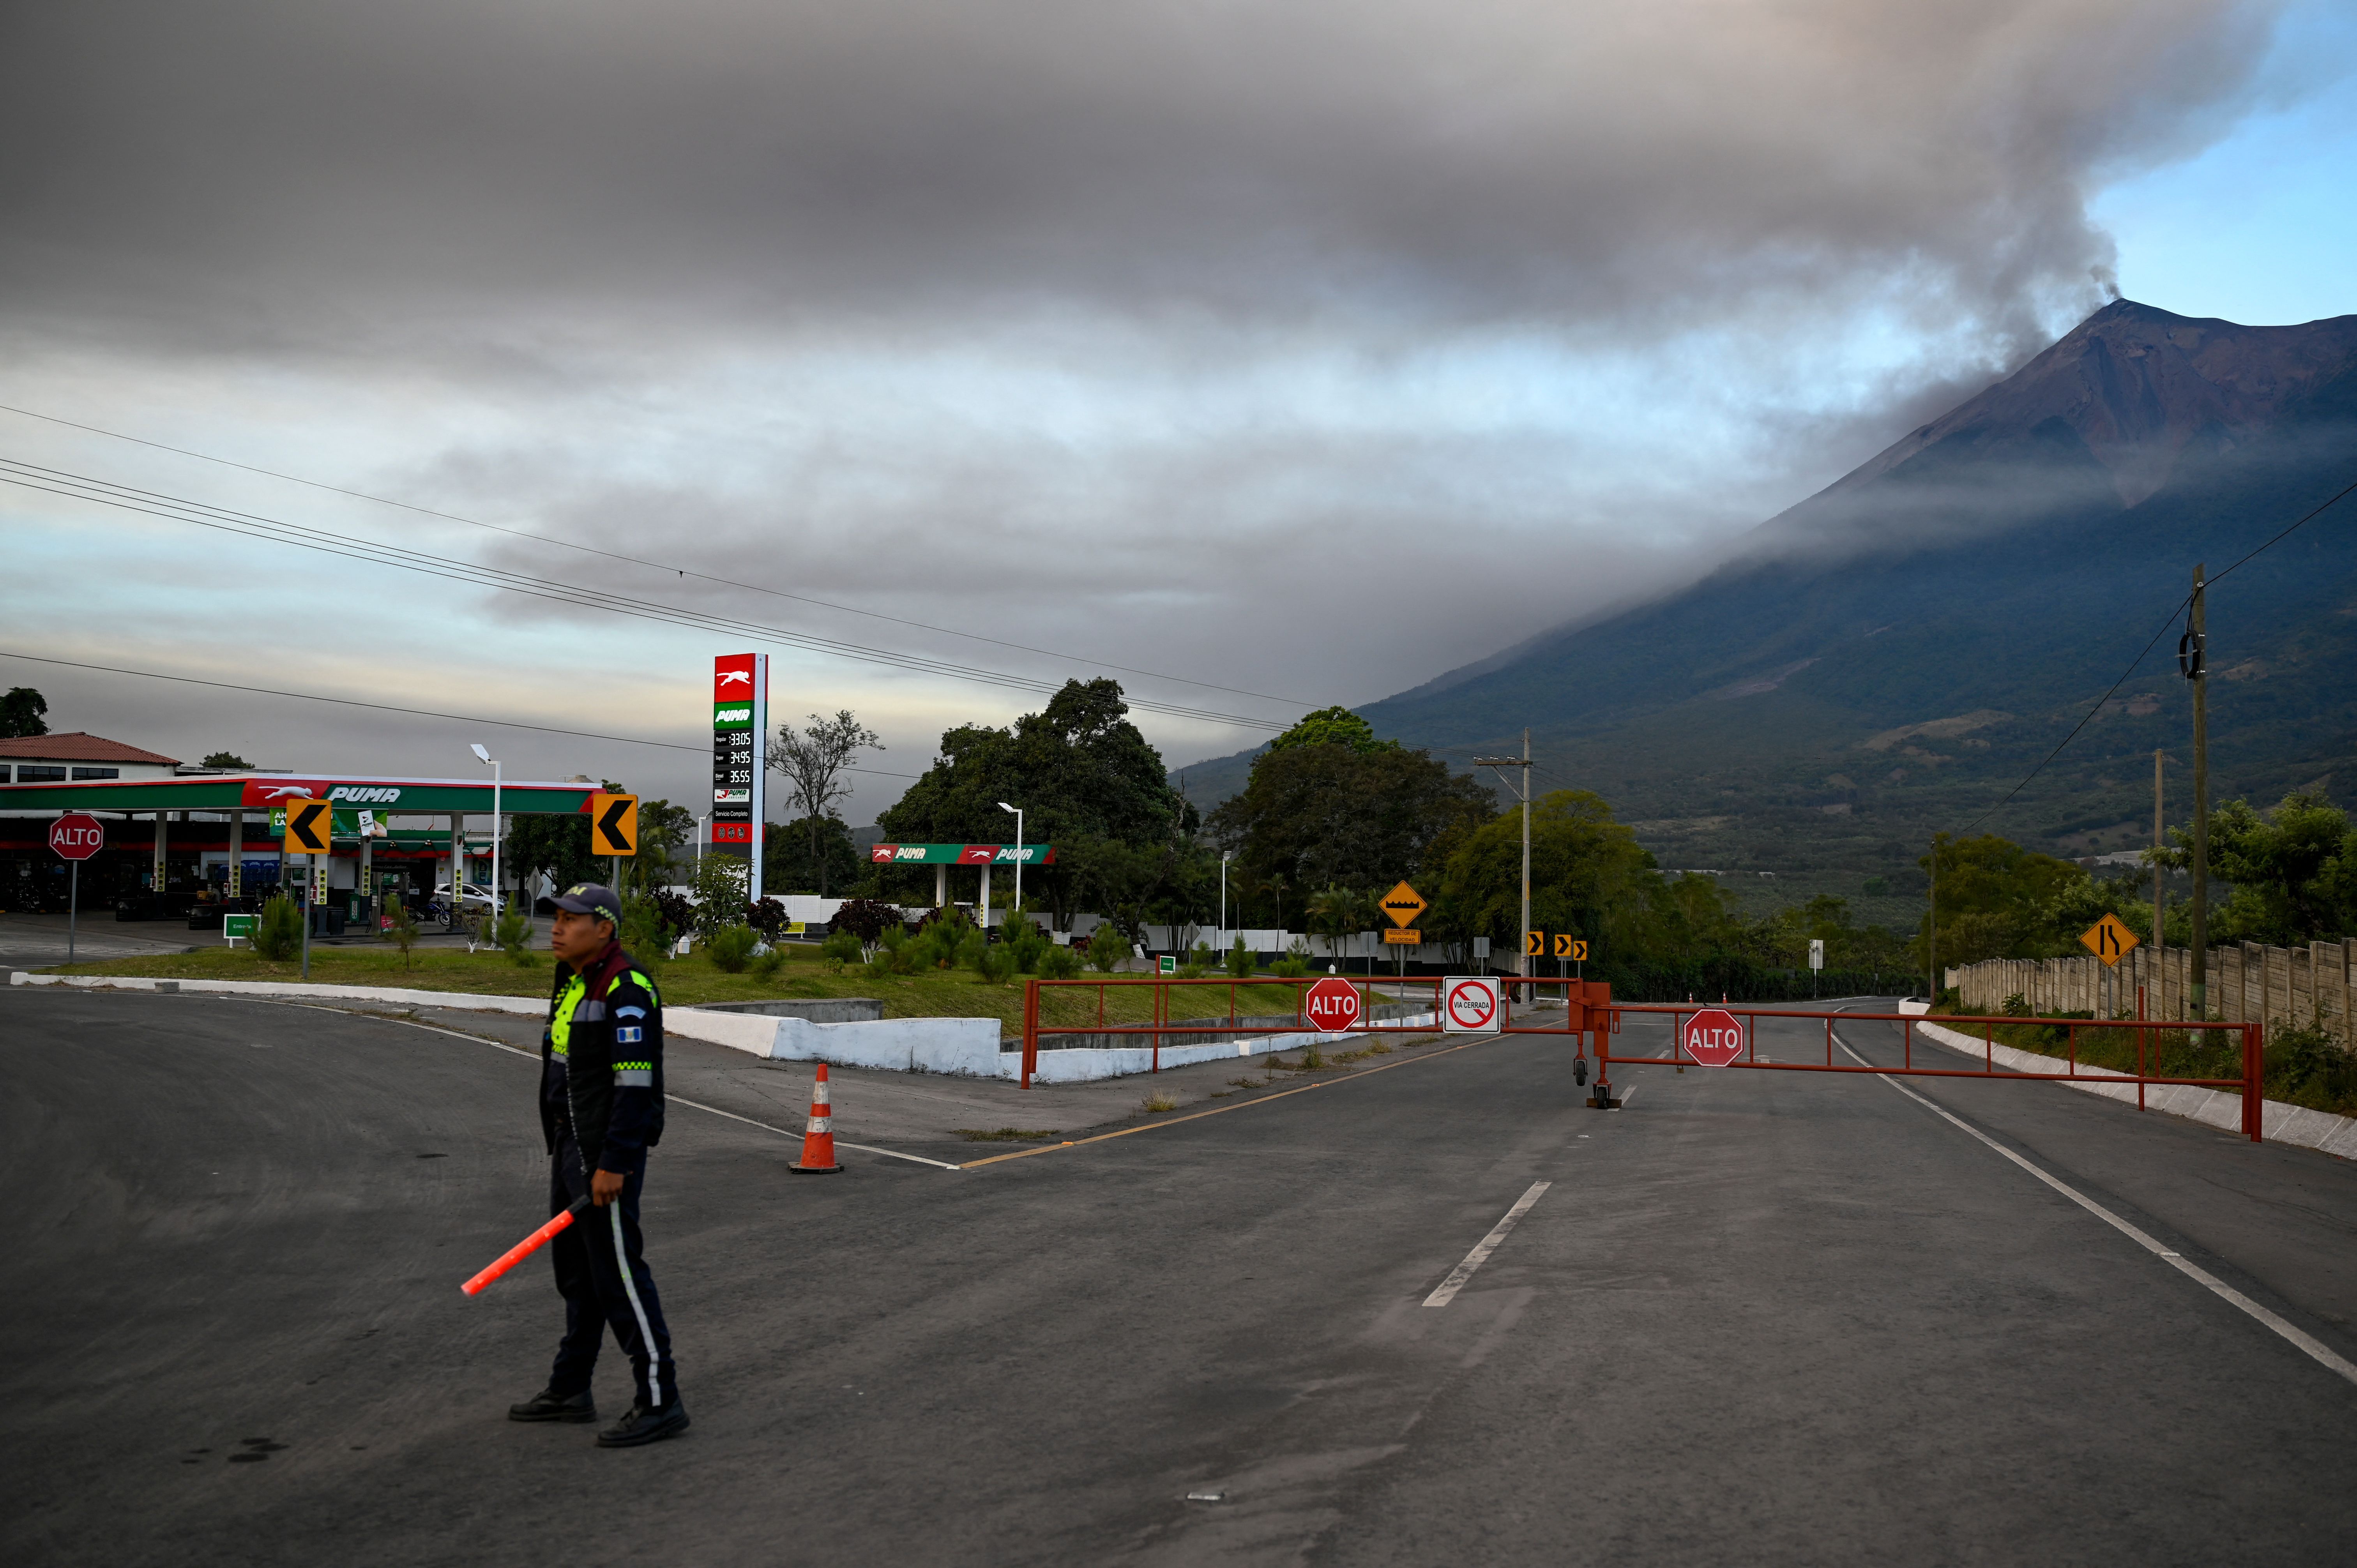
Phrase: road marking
pixel 1219 1110
pixel 692 1104
pixel 1448 1289
pixel 2307 1342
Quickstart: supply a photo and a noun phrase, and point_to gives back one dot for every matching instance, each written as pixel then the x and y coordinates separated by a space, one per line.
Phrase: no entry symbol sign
pixel 1332 1005
pixel 1712 1036
pixel 1469 1004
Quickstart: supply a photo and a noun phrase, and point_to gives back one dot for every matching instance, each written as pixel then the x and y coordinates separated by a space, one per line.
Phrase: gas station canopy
pixel 251 791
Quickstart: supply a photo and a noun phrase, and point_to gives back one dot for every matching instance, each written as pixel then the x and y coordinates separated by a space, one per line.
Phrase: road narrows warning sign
pixel 2108 938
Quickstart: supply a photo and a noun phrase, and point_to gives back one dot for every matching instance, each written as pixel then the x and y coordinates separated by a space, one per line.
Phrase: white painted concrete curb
pixel 965 1046
pixel 2280 1123
pixel 532 1007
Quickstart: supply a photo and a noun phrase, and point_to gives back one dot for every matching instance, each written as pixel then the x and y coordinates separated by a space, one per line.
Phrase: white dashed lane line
pixel 1447 1289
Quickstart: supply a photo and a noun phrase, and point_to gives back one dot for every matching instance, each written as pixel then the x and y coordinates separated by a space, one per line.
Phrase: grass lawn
pixel 685 982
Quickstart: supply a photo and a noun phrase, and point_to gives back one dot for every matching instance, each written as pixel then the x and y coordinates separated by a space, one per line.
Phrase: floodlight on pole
pixel 457 892
pixel 1018 854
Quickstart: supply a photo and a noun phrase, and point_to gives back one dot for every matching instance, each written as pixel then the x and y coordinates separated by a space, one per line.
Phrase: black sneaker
pixel 645 1423
pixel 550 1406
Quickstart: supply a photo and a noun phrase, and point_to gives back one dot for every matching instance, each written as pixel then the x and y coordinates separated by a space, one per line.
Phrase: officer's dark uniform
pixel 601 1108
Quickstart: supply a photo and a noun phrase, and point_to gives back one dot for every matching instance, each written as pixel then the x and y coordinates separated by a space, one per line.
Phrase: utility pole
pixel 1523 762
pixel 2160 906
pixel 1931 930
pixel 2192 658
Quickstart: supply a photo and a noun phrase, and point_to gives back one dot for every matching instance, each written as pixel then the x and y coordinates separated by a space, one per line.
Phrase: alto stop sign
pixel 1332 1005
pixel 76 835
pixel 1712 1036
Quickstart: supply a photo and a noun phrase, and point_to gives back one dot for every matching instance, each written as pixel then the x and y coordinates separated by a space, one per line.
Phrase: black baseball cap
pixel 592 898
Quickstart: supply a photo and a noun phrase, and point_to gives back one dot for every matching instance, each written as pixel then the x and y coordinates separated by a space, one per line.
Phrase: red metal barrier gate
pixel 1589 1012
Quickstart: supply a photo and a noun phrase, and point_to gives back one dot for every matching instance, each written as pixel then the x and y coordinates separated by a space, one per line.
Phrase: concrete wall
pixel 2280 987
pixel 816 1009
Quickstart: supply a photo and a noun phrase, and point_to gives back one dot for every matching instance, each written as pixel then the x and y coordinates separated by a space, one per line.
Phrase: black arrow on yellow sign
pixel 613 825
pixel 310 825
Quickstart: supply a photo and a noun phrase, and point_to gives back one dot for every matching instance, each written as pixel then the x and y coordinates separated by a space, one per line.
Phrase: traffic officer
pixel 601 1109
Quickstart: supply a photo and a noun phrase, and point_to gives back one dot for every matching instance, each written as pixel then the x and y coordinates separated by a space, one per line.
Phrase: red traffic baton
pixel 524 1248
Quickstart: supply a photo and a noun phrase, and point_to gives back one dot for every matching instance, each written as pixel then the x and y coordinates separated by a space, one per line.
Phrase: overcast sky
pixel 1299 350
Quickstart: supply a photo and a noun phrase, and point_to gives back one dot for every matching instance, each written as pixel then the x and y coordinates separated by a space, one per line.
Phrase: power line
pixel 640 561
pixel 393 708
pixel 2167 621
pixel 104 492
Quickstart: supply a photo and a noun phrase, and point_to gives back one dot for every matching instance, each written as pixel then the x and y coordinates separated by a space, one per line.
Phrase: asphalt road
pixel 1760 1317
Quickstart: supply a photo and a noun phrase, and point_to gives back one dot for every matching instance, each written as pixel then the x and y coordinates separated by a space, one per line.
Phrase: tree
pixel 785 869
pixel 2293 871
pixel 1588 875
pixel 813 760
pixel 20 714
pixel 1339 912
pixel 1333 726
pixel 665 830
pixel 1997 900
pixel 1330 813
pixel 1082 773
pixel 556 845
pixel 225 759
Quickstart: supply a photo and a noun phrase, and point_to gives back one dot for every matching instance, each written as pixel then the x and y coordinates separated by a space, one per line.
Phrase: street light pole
pixel 1523 762
pixel 1225 856
pixel 1018 855
pixel 498 890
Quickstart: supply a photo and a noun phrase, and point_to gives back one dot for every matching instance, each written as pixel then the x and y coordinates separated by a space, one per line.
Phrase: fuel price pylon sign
pixel 740 722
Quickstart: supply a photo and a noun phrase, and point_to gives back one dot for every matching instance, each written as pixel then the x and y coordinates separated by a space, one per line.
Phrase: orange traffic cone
pixel 818 1139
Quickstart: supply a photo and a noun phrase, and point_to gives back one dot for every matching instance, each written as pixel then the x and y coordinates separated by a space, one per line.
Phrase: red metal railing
pixel 2249 1084
pixel 1164 1021
pixel 1588 1013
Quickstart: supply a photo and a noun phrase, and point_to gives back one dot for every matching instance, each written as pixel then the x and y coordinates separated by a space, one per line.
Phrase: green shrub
pixel 892 953
pixel 768 962
pixel 1028 937
pixel 403 929
pixel 646 935
pixel 278 935
pixel 1059 964
pixel 720 883
pixel 731 948
pixel 512 935
pixel 1107 949
pixel 840 949
pixel 973 951
pixel 995 962
pixel 1240 960
pixel 1291 966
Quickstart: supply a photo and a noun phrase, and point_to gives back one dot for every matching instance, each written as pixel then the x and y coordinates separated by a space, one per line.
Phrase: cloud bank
pixel 1311 348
